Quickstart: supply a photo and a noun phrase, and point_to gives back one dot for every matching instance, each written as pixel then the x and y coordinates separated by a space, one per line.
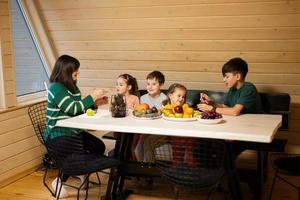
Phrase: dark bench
pixel 254 173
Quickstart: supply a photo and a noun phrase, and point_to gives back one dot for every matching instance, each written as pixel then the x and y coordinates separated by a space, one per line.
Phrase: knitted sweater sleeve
pixel 69 103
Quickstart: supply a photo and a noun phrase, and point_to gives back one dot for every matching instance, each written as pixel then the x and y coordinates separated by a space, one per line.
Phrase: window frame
pixel 31 96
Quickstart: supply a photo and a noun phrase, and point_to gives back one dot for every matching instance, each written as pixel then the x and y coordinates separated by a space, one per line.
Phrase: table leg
pixel 122 153
pixel 233 181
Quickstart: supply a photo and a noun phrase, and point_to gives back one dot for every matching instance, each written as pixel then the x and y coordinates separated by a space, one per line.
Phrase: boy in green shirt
pixel 242 96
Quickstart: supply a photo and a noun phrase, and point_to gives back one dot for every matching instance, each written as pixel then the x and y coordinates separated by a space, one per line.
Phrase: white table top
pixel 247 127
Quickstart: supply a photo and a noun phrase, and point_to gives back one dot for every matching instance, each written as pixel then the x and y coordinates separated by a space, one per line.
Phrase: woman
pixel 64 101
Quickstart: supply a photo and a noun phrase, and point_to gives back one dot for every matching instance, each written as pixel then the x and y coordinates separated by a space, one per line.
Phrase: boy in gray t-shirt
pixel 153 102
pixel 144 150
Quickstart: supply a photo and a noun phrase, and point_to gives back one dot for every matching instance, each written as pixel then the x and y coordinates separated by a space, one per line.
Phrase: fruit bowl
pixel 181 119
pixel 210 121
pixel 150 113
pixel 210 117
pixel 147 116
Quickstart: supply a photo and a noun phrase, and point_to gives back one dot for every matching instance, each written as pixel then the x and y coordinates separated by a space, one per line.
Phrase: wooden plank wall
pixel 7 59
pixel 187 40
pixel 20 150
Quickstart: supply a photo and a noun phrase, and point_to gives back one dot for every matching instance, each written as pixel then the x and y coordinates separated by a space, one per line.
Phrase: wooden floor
pixel 31 188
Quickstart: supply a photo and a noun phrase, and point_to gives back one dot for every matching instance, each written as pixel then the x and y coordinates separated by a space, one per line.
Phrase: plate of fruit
pixel 182 113
pixel 210 117
pixel 143 111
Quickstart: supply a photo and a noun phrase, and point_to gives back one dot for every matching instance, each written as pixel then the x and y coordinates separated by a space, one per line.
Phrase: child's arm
pixel 234 111
pixel 208 104
pixel 136 101
pixel 222 108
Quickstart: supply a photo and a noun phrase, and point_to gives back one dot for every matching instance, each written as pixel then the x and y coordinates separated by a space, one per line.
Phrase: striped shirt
pixel 63 104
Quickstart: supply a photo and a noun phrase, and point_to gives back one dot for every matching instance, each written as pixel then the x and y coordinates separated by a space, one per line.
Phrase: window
pixel 30 67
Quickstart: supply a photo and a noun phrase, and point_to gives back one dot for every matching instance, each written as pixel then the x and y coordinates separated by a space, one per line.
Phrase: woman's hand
pixel 101 101
pixel 98 94
pixel 205 99
pixel 204 107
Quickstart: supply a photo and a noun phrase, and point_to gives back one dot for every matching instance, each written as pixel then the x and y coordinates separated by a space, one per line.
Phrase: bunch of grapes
pixel 212 114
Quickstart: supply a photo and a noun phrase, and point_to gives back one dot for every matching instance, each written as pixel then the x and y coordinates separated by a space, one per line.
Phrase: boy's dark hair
pixel 130 80
pixel 62 72
pixel 158 76
pixel 236 65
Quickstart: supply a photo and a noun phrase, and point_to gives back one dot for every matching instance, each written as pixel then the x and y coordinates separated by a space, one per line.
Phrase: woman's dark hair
pixel 171 90
pixel 130 80
pixel 62 71
pixel 236 65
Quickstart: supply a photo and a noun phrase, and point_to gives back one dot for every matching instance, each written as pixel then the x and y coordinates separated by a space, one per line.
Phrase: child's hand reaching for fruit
pixel 205 99
pixel 204 107
pixel 206 103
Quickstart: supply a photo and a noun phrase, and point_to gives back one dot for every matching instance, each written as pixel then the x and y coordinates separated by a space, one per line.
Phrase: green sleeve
pixel 250 99
pixel 69 104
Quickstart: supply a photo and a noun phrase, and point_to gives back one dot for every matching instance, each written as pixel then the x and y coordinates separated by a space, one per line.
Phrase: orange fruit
pixel 189 111
pixel 141 106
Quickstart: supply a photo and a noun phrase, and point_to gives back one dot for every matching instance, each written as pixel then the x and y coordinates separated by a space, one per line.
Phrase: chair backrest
pixel 37 115
pixel 205 168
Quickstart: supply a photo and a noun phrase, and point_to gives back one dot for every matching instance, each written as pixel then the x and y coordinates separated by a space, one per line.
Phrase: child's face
pixel 231 79
pixel 153 87
pixel 178 97
pixel 122 87
pixel 74 75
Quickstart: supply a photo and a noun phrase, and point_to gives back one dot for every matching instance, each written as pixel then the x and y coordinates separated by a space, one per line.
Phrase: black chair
pixel 72 160
pixel 206 170
pixel 76 163
pixel 37 115
pixel 285 165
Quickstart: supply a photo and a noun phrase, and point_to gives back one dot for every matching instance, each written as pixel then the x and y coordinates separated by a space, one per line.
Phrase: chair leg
pixel 58 190
pixel 99 181
pixel 176 192
pixel 86 181
pixel 211 191
pixel 87 188
pixel 45 184
pixel 121 193
pixel 272 187
pixel 87 192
